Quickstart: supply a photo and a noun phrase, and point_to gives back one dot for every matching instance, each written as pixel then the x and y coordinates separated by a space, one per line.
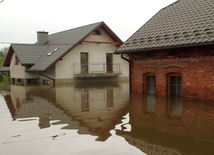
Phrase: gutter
pixel 128 60
pixel 48 78
pixel 165 47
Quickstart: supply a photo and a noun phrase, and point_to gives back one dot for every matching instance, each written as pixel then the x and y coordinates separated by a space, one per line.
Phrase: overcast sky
pixel 21 19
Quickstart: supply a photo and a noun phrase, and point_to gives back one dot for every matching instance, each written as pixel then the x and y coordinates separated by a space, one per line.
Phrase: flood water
pixel 102 119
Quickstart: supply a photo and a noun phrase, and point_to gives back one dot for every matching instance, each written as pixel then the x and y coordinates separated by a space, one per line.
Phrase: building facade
pixel 173 53
pixel 81 53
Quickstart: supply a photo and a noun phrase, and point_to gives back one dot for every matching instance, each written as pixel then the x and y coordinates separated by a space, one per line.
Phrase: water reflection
pixel 93 110
pixel 174 106
pixel 154 125
pixel 174 127
pixel 149 104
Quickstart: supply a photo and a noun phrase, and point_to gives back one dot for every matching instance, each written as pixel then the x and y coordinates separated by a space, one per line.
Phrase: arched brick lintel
pixel 149 69
pixel 173 69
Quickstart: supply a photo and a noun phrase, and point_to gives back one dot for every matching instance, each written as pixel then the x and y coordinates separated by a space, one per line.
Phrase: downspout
pixel 128 60
pixel 48 78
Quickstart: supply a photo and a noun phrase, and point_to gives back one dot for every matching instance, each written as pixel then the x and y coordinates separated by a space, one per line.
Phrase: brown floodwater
pixel 102 119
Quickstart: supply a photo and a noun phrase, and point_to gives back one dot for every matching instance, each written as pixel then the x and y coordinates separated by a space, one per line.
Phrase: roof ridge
pixel 77 27
pixel 29 44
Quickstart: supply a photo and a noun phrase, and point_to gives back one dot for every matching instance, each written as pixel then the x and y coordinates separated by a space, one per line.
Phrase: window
pixel 149 82
pixel 149 88
pixel 174 92
pixel 84 63
pixel 16 61
pixel 53 51
pixel 96 32
pixel 174 82
pixel 109 62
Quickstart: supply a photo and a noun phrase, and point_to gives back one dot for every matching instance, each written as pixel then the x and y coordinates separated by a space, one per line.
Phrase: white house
pixel 81 53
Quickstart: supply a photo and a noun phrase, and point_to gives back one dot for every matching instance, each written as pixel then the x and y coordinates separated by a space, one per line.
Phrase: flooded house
pixel 67 56
pixel 173 53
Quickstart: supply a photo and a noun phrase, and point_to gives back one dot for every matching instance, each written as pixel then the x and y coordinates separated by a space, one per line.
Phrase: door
pixel 109 62
pixel 84 63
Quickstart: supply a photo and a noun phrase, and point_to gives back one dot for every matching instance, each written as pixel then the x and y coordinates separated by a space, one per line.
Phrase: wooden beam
pixel 100 42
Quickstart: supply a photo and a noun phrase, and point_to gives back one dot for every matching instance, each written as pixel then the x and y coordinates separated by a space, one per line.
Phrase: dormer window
pixel 97 32
pixel 53 51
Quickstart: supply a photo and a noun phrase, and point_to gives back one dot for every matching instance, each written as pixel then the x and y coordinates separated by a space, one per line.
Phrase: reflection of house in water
pixel 97 108
pixel 91 110
pixel 169 127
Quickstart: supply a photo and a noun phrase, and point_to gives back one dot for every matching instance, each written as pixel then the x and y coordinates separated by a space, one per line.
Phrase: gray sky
pixel 21 19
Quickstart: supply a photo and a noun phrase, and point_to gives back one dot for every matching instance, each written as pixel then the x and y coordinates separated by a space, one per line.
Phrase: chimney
pixel 42 37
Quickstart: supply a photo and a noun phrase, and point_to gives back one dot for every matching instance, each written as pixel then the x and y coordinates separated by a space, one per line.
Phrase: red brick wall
pixel 197 73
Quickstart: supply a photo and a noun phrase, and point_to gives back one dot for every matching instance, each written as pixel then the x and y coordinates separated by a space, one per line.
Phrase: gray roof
pixel 36 55
pixel 183 23
pixel 5 69
pixel 28 53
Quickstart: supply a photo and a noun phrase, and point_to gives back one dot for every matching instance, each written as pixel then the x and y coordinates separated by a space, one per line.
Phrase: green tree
pixel 4 80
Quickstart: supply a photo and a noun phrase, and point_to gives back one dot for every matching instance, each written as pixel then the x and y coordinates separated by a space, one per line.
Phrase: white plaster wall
pixel 70 65
pixel 30 75
pixel 16 71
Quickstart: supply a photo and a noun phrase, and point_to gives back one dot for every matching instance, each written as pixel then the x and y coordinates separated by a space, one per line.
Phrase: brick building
pixel 173 53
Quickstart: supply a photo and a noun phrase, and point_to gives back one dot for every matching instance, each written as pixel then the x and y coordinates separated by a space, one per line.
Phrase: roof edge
pixel 163 48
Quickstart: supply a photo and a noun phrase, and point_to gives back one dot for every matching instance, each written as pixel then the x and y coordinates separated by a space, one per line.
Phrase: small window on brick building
pixel 149 88
pixel 149 81
pixel 174 92
pixel 174 84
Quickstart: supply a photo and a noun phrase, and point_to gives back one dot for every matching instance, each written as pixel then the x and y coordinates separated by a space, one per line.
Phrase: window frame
pixel 168 82
pixel 145 82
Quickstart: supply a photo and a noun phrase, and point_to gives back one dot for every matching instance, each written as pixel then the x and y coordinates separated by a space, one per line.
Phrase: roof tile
pixel 181 23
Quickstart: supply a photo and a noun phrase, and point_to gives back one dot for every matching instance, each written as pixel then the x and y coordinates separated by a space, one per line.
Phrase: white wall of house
pixel 16 70
pixel 70 65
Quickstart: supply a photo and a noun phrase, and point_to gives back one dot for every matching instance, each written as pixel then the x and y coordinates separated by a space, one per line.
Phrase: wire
pixel 1 1
pixel 5 42
pixel 40 44
pixel 31 43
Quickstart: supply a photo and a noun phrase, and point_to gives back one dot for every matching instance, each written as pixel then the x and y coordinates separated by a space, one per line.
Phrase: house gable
pixel 67 40
pixel 96 46
pixel 54 58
